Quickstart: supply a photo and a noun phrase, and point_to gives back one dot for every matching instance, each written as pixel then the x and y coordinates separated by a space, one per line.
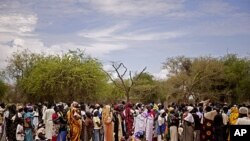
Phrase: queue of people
pixel 120 122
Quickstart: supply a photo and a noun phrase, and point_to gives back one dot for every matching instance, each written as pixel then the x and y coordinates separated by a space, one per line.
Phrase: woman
pixel 97 127
pixel 129 120
pixel 10 123
pixel 117 123
pixel 107 123
pixel 56 123
pixel 218 128
pixel 75 122
pixel 63 125
pixel 233 115
pixel 207 130
pixel 47 118
pixel 188 125
pixel 28 124
pixel 89 126
pixel 173 125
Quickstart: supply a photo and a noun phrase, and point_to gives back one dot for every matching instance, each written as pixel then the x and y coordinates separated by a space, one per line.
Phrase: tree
pixel 3 88
pixel 125 85
pixel 198 77
pixel 145 89
pixel 237 71
pixel 72 76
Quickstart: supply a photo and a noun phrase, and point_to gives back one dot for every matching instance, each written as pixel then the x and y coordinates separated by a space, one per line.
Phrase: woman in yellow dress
pixel 234 115
pixel 108 124
pixel 74 121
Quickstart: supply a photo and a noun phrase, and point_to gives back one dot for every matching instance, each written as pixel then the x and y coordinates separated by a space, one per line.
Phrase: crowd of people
pixel 204 121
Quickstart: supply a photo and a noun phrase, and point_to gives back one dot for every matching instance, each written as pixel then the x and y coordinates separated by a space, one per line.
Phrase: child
pixel 19 131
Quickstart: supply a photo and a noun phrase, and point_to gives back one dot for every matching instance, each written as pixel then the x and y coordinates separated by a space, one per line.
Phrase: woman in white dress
pixel 47 118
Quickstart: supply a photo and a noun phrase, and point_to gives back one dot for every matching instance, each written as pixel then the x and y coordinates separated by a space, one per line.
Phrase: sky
pixel 138 33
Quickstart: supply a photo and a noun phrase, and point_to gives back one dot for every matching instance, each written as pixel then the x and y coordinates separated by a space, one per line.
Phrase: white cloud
pixel 216 7
pixel 17 23
pixel 95 49
pixel 122 33
pixel 137 7
pixel 161 75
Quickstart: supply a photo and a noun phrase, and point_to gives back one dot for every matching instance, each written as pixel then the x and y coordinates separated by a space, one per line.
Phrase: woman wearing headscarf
pixel 188 125
pixel 47 119
pixel 62 121
pixel 207 124
pixel 149 123
pixel 10 123
pixel 117 118
pixel 218 127
pixel 107 123
pixel 233 115
pixel 173 125
pixel 28 124
pixel 75 122
pixel 129 120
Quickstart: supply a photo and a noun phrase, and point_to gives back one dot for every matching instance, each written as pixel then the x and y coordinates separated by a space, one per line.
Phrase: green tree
pixel 145 89
pixel 72 76
pixel 196 77
pixel 3 88
pixel 237 71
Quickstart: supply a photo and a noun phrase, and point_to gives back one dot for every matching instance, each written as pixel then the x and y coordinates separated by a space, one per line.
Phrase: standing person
pixel 218 127
pixel 89 126
pixel 56 123
pixel 149 123
pixel 11 124
pixel 233 115
pixel 63 124
pixel 20 131
pixel 36 116
pixel 75 122
pixel 107 123
pixel 28 124
pixel 97 127
pixel 207 124
pixel 129 120
pixel 197 125
pixel 117 123
pixel 47 118
pixel 188 125
pixel 225 122
pixel 161 125
pixel 173 125
pixel 243 118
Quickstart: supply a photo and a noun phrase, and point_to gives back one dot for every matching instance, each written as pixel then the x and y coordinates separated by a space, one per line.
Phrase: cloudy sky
pixel 136 32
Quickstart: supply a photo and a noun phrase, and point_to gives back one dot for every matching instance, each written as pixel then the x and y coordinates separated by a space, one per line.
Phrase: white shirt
pixel 160 121
pixel 225 118
pixel 19 137
pixel 96 120
pixel 243 121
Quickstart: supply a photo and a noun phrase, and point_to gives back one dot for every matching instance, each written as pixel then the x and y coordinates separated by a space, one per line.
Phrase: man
pixel 243 117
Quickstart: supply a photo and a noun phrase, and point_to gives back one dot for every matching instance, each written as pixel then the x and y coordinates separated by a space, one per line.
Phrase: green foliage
pixel 145 89
pixel 3 88
pixel 73 76
pixel 237 71
pixel 208 77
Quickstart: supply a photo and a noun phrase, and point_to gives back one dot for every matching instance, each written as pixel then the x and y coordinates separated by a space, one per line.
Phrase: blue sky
pixel 137 32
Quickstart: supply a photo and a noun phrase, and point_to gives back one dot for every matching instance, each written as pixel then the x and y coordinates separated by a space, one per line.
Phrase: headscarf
pixel 234 115
pixel 106 114
pixel 189 118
